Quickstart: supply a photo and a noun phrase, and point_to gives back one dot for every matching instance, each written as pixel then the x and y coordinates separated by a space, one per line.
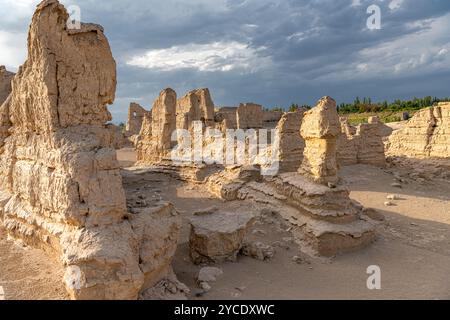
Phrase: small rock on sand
pixel 209 274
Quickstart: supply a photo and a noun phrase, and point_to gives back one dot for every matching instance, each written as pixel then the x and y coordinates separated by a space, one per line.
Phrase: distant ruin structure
pixel 136 115
pixel 426 135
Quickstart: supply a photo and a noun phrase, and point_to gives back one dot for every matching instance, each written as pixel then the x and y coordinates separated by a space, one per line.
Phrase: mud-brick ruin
pixel 155 142
pixel 196 105
pixel 291 143
pixel 426 135
pixel 323 217
pixel 362 144
pixel 136 115
pixel 62 189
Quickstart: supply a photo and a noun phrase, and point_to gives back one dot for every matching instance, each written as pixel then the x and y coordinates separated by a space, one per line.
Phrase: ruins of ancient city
pixel 189 200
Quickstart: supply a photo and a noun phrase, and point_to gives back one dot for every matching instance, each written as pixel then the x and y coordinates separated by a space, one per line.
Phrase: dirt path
pixel 28 274
pixel 412 249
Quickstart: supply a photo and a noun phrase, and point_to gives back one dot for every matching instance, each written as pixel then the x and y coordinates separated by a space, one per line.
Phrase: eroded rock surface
pixel 196 105
pixel 60 180
pixel 320 128
pixel 362 144
pixel 5 83
pixel 249 116
pixel 218 237
pixel 291 144
pixel 155 142
pixel 426 135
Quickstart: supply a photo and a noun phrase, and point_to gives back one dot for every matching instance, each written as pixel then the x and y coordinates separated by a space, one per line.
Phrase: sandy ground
pixel 412 249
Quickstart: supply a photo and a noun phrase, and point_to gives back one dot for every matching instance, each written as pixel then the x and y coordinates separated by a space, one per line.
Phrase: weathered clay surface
pixel 136 115
pixel 196 105
pixel 226 183
pixel 323 217
pixel 324 221
pixel 5 83
pixel 426 135
pixel 155 142
pixel 347 144
pixel 59 173
pixel 218 237
pixel 226 117
pixel 361 145
pixel 118 140
pixel 249 116
pixel 272 116
pixel 320 128
pixel 291 144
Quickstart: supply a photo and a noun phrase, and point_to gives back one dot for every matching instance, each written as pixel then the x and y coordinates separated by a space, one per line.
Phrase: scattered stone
pixel 389 204
pixel 282 245
pixel 393 197
pixel 209 274
pixel 241 289
pixel 205 286
pixel 396 185
pixel 258 250
pixel 300 260
pixel 167 289
pixel 259 232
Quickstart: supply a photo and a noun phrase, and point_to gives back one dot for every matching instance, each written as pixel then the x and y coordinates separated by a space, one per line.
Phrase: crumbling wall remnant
pixel 59 177
pixel 291 144
pixel 196 105
pixel 249 116
pixel 427 134
pixel 5 83
pixel 320 128
pixel 136 115
pixel 156 135
pixel 362 144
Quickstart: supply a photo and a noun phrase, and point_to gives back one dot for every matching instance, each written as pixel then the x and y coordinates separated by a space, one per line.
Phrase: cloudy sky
pixel 273 52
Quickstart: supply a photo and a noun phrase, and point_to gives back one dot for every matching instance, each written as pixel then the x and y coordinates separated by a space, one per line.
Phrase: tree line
pixel 365 105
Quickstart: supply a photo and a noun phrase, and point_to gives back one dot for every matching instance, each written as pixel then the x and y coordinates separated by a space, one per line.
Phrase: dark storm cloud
pixel 297 50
